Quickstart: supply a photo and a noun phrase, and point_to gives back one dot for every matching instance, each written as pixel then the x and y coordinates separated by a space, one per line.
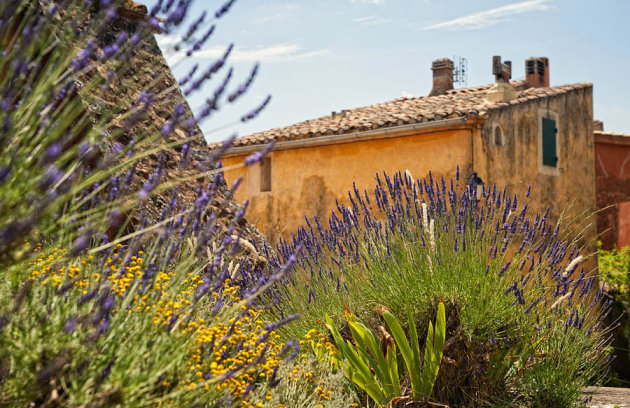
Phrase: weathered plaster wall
pixel 571 186
pixel 307 181
pixel 612 169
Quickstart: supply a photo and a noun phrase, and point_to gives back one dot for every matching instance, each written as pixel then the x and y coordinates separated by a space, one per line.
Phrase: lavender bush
pixel 110 294
pixel 524 317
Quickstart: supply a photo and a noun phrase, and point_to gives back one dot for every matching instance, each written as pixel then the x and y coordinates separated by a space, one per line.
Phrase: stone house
pixel 612 171
pixel 512 133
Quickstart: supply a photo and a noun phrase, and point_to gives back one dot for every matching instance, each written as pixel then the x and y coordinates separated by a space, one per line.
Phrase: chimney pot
pixel 502 71
pixel 502 90
pixel 442 76
pixel 537 72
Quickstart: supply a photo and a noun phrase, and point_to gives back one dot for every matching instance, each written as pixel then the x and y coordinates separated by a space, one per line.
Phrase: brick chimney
pixel 598 125
pixel 537 72
pixel 502 90
pixel 442 76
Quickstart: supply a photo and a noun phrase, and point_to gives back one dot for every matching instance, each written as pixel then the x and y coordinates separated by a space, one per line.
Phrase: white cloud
pixel 277 12
pixel 166 40
pixel 273 53
pixel 372 20
pixel 406 94
pixel 490 17
pixel 369 1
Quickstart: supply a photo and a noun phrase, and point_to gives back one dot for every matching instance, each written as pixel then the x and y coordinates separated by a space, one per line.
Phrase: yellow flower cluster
pixel 50 269
pixel 305 375
pixel 123 278
pixel 323 349
pixel 241 349
pixel 166 307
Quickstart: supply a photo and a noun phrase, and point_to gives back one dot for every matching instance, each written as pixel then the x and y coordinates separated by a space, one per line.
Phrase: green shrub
pixel 516 299
pixel 614 268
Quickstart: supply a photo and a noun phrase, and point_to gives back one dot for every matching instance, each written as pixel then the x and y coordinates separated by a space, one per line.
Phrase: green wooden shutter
pixel 549 154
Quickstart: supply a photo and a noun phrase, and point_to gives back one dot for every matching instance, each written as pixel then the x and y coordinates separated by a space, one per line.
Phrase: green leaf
pixel 416 373
pixel 392 361
pixel 360 373
pixel 413 364
pixel 428 361
pixel 378 362
pixel 434 351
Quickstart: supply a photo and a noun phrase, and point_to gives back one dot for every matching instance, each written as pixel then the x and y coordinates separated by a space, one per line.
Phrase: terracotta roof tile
pixel 456 103
pixel 611 134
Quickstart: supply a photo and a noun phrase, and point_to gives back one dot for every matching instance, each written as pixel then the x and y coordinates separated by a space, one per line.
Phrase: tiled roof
pixel 611 134
pixel 457 103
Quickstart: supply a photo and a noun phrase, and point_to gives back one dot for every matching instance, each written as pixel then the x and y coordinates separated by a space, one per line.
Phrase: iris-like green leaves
pixel 377 373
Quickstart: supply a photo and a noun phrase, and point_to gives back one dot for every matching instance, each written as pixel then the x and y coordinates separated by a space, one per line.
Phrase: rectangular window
pixel 549 154
pixel 265 174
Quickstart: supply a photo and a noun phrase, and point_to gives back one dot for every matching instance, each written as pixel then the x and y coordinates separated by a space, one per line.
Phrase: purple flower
pixel 81 243
pixel 258 156
pixel 86 297
pixel 245 86
pixel 255 112
pixel 53 151
pixel 70 324
pixel 224 8
pixel 167 128
pixel 117 147
pixel 107 304
pixel 51 176
pixel 146 189
pixel 109 51
pixel 4 172
pixel 84 148
pixel 114 218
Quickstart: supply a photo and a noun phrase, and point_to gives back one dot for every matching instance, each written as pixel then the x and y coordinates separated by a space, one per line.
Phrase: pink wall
pixel 623 228
pixel 612 172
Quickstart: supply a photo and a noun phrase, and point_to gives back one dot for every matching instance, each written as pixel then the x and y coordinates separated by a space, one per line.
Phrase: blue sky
pixel 325 55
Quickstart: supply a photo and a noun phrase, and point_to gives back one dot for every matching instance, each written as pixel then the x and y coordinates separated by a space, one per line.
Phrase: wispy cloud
pixel 490 17
pixel 369 1
pixel 167 40
pixel 273 53
pixel 372 20
pixel 277 12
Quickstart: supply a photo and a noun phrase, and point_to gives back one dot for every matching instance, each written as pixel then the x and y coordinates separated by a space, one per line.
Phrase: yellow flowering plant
pixel 158 335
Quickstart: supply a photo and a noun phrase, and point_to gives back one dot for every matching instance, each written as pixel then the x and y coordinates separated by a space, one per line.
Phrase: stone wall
pixel 147 70
pixel 569 188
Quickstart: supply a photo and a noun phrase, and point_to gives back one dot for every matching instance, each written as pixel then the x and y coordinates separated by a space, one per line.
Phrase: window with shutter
pixel 549 133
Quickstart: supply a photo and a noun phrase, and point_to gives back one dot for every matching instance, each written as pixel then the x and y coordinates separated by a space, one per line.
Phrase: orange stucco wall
pixel 307 181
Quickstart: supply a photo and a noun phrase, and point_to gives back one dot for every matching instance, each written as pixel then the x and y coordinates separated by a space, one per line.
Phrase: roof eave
pixel 373 134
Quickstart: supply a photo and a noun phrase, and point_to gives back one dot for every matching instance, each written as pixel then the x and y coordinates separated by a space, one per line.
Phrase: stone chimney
pixel 501 91
pixel 442 76
pixel 537 72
